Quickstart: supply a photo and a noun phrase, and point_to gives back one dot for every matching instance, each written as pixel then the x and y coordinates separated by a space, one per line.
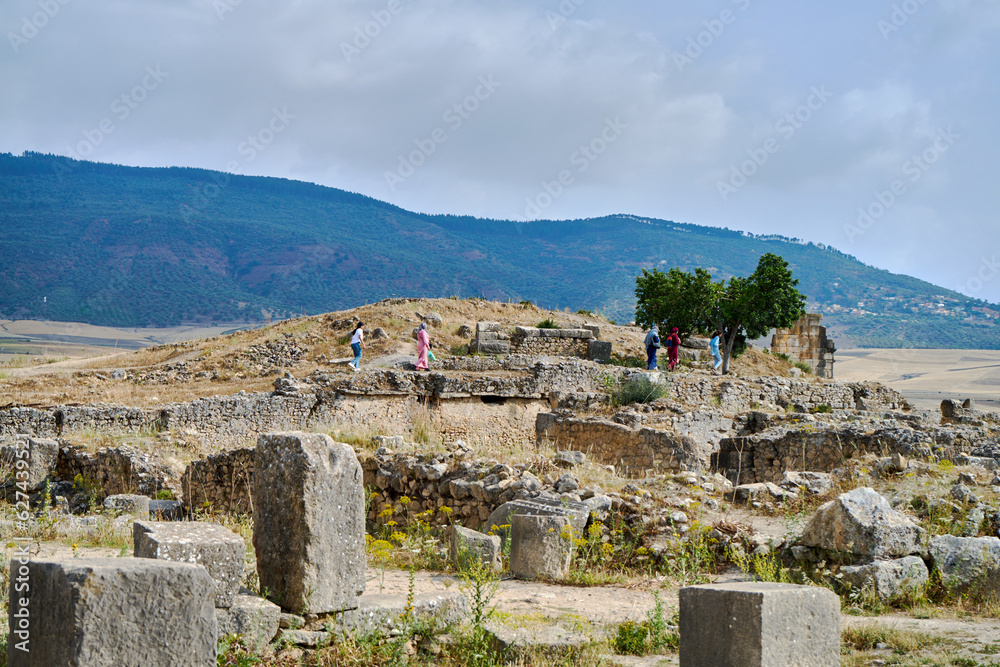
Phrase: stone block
pixel 166 510
pixel 493 347
pixel 887 579
pixel 599 350
pixel 219 550
pixel 309 522
pixel 759 624
pixel 594 329
pixel 251 617
pixel 127 503
pixel 487 326
pixel 527 332
pixel 540 546
pixel 486 335
pixel 467 543
pixel 33 461
pixel 108 612
pixel 577 513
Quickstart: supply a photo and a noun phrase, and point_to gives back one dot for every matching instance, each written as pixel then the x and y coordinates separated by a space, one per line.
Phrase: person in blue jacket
pixel 652 343
pixel 713 348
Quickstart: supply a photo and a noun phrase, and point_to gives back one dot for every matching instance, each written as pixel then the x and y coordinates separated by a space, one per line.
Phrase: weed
pixel 586 313
pixel 547 323
pixel 653 635
pixel 804 367
pixel 822 408
pixel 460 350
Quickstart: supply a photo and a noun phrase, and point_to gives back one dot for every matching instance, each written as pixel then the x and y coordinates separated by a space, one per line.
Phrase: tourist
pixel 713 348
pixel 652 344
pixel 673 348
pixel 423 347
pixel 357 344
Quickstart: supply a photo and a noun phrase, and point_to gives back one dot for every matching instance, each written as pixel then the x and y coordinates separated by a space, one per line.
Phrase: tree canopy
pixel 740 308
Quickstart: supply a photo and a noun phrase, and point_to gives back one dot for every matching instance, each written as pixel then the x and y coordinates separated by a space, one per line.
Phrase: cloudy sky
pixel 869 125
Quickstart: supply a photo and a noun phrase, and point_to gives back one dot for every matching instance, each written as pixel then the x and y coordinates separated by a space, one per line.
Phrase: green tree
pixel 742 308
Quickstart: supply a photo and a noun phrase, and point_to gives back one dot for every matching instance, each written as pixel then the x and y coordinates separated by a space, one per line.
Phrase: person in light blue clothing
pixel 652 344
pixel 713 348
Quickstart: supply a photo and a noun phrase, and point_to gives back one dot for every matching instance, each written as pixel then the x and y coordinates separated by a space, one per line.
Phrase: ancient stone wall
pixel 223 481
pixel 115 470
pixel 765 456
pixel 551 342
pixel 633 449
pixel 806 341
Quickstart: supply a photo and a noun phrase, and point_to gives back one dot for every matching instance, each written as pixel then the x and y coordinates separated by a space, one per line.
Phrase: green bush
pixel 627 362
pixel 822 408
pixel 631 639
pixel 547 324
pixel 804 367
pixel 637 390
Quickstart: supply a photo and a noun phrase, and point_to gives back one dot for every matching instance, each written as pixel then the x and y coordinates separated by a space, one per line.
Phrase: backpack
pixel 670 341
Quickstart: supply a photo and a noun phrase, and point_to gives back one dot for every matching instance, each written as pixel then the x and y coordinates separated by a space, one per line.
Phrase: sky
pixel 868 125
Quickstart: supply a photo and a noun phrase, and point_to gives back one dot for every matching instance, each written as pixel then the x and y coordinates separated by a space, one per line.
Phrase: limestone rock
pixel 569 459
pixel 250 616
pixel 887 579
pixel 107 612
pixel 309 522
pixel 219 550
pixel 485 548
pixel 816 483
pixel 762 491
pixel 968 563
pixel 384 612
pixel 540 546
pixel 127 503
pixel 577 513
pixel 862 522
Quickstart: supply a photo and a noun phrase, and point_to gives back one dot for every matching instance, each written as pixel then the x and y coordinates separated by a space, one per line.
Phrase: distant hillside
pixel 129 246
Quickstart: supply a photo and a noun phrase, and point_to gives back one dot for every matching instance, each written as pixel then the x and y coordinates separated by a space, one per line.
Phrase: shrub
pixel 547 324
pixel 822 408
pixel 804 367
pixel 584 312
pixel 637 390
pixel 627 362
pixel 460 350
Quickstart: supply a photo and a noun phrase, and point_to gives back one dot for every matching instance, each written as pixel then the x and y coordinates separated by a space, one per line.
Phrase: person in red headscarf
pixel 673 348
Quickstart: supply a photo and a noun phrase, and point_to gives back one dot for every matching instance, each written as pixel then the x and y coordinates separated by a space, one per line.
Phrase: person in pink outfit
pixel 423 347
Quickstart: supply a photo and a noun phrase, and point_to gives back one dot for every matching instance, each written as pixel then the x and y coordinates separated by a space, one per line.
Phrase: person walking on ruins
pixel 652 344
pixel 357 344
pixel 713 348
pixel 423 347
pixel 673 348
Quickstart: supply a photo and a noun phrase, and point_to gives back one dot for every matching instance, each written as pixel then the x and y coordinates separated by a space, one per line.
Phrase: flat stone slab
pixel 384 612
pixel 759 624
pixel 221 551
pixel 109 612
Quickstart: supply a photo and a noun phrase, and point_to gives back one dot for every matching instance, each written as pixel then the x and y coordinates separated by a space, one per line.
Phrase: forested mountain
pixel 129 246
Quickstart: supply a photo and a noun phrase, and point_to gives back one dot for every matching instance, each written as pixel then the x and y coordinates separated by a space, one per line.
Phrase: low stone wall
pixel 222 481
pixel 116 470
pixel 765 456
pixel 633 451
pixel 551 342
pixel 740 395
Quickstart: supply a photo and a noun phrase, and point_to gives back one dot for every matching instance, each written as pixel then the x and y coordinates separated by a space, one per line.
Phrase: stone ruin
pixel 806 341
pixel 584 343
